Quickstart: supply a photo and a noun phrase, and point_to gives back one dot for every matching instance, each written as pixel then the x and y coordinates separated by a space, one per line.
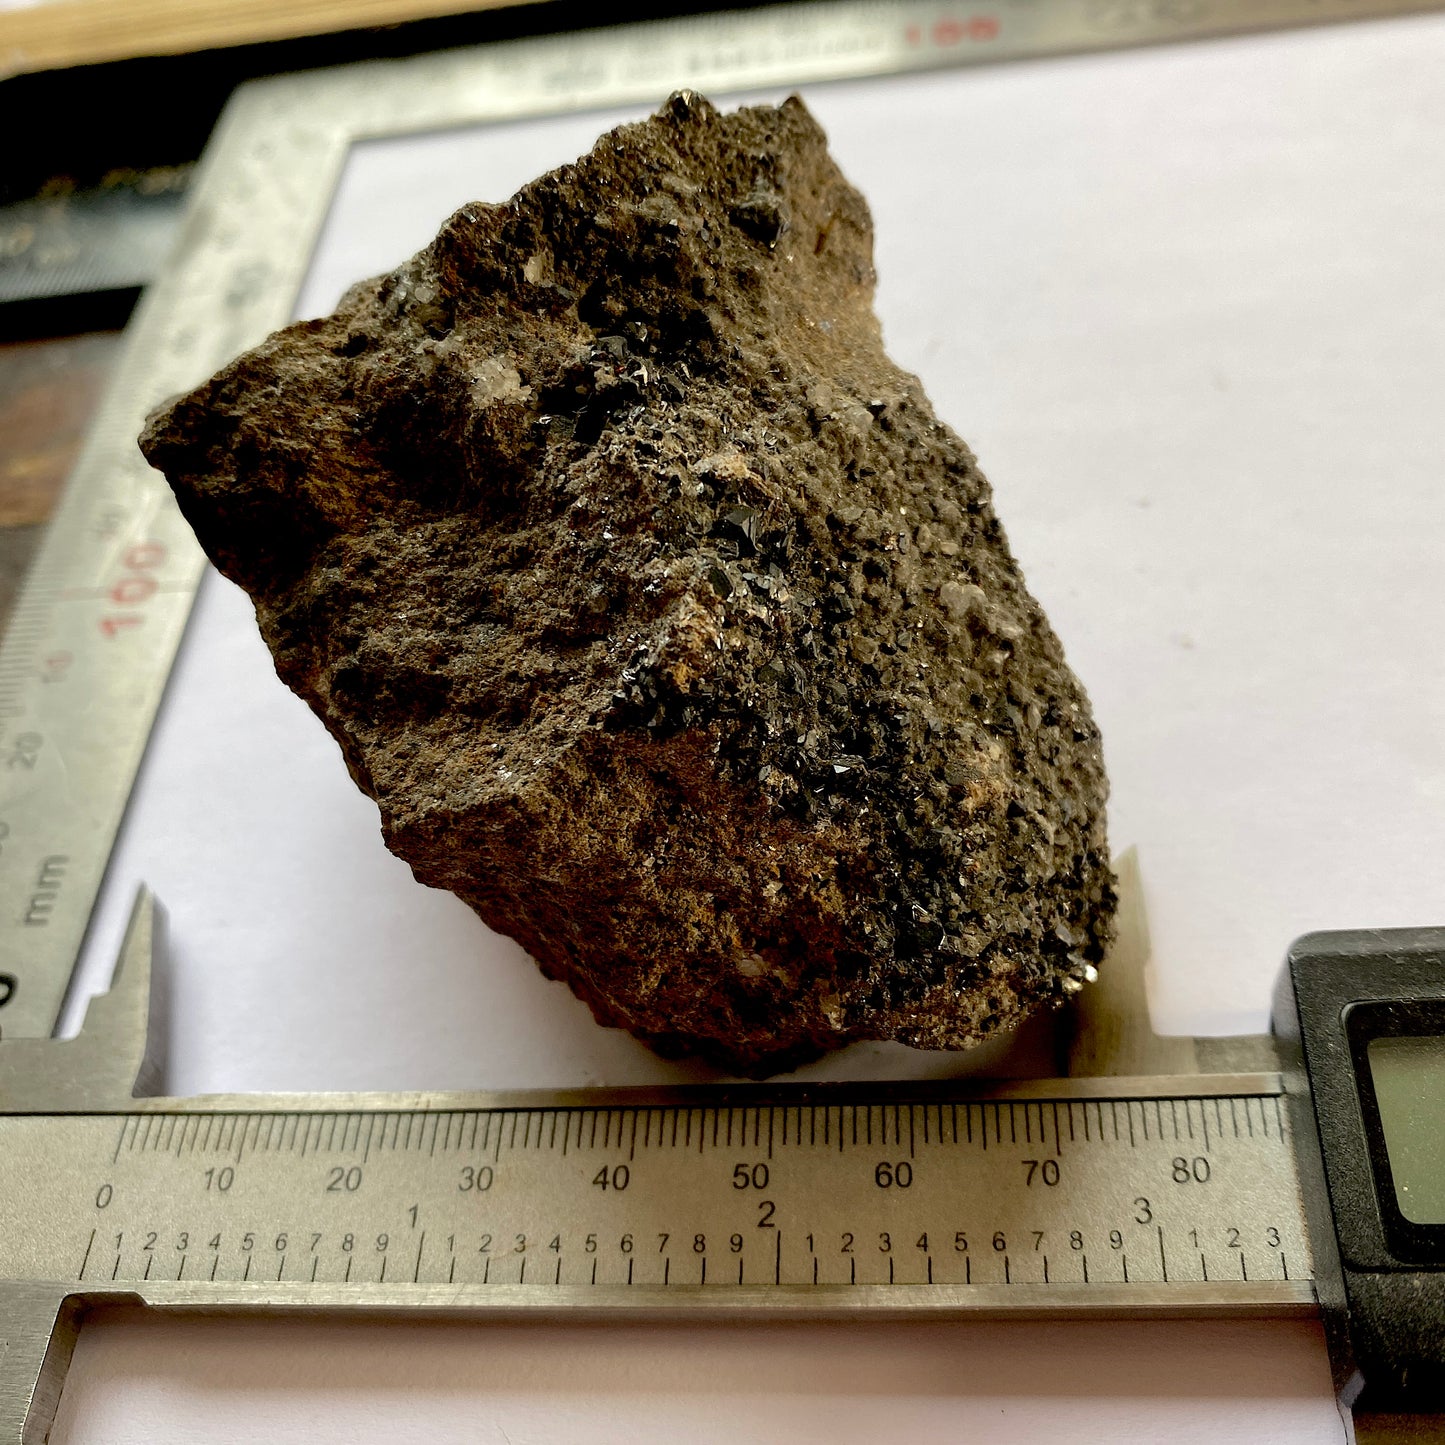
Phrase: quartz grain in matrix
pixel 661 617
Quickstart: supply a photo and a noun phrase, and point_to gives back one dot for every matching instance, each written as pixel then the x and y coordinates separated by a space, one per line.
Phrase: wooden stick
pixel 64 33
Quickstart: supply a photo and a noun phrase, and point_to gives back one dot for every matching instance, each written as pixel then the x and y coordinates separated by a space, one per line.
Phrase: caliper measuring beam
pixel 1309 1180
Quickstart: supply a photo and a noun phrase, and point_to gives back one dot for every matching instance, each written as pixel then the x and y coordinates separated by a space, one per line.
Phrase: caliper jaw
pixel 116 1057
pixel 118 1053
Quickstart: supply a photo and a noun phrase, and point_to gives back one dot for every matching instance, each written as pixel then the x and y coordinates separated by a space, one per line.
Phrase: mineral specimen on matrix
pixel 664 621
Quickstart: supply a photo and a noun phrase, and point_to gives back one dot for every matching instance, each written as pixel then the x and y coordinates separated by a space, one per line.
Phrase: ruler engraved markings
pixel 51 876
pixel 943 1192
pixel 90 1244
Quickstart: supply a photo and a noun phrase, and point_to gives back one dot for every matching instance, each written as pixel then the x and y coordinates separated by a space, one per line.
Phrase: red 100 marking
pixel 134 587
pixel 951 31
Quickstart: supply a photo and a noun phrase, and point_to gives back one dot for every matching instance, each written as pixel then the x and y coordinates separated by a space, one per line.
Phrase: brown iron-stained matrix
pixel 663 620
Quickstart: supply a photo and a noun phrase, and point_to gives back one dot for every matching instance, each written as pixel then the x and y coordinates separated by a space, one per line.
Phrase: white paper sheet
pixel 1187 306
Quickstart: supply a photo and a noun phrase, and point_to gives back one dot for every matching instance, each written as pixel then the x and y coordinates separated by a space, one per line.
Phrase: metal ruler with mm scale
pixel 1135 1184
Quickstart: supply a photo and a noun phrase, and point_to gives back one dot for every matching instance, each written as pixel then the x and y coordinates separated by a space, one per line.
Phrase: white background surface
pixel 1187 305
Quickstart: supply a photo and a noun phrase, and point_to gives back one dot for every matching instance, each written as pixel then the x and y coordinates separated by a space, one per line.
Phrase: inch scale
pixel 1134 1185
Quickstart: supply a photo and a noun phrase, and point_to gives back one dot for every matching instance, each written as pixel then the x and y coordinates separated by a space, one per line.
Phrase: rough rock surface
pixel 657 611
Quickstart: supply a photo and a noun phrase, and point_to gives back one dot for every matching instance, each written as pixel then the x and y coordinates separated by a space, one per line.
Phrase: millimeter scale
pixel 1113 1176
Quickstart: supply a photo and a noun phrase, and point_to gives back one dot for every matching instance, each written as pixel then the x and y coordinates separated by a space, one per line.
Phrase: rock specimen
pixel 658 613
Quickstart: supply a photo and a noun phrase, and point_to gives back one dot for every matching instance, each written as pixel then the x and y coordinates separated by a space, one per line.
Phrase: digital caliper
pixel 1362 1015
pixel 1317 1184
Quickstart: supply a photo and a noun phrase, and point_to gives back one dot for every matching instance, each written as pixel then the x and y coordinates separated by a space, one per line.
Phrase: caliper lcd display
pixel 1408 1074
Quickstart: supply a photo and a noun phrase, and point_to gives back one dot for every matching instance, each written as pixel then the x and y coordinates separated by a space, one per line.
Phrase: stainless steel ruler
pixel 91 643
